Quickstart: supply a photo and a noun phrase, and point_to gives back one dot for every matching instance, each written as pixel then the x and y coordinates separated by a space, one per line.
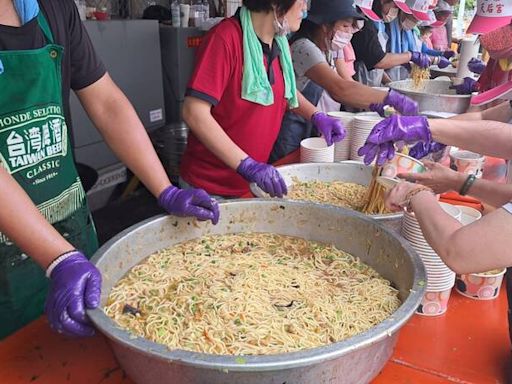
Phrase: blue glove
pixel 420 59
pixel 401 103
pixel 420 150
pixel 381 140
pixel 443 62
pixel 75 284
pixel 189 202
pixel 448 54
pixel 264 175
pixel 467 87
pixel 331 128
pixel 476 66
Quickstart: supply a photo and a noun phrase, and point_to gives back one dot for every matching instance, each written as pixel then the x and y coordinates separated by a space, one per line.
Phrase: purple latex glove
pixel 264 175
pixel 330 128
pixel 189 202
pixel 401 103
pixel 75 285
pixel 420 150
pixel 448 54
pixel 406 129
pixel 420 59
pixel 476 66
pixel 467 87
pixel 443 62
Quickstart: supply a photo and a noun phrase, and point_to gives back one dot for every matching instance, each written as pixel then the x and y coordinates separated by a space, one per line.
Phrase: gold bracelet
pixel 414 192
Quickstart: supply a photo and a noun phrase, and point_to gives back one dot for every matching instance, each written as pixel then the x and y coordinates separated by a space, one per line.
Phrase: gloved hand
pixel 75 284
pixel 380 142
pixel 330 128
pixel 189 202
pixel 467 87
pixel 448 54
pixel 264 175
pixel 420 59
pixel 401 103
pixel 443 62
pixel 420 150
pixel 476 66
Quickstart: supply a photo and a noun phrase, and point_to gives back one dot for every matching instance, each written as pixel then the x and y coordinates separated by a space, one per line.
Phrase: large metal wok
pixel 354 361
pixel 348 171
pixel 433 95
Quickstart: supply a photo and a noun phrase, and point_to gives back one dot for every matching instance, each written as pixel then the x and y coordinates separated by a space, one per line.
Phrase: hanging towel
pixel 27 9
pixel 401 41
pixel 255 84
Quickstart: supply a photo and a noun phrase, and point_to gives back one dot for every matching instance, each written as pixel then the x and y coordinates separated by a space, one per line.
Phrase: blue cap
pixel 330 11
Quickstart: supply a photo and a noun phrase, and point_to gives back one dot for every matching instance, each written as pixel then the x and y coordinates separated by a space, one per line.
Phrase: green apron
pixel 35 149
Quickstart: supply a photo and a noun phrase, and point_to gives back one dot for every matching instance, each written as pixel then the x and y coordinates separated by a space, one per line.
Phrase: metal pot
pixel 170 142
pixel 433 95
pixel 355 360
pixel 349 171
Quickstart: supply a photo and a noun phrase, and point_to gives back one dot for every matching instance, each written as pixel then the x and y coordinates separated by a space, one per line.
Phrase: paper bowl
pixel 467 162
pixel 479 286
pixel 402 164
pixel 434 303
pixel 387 182
pixel 469 215
pixel 316 150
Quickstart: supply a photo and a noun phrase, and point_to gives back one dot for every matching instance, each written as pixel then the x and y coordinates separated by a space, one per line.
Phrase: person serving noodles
pixel 242 85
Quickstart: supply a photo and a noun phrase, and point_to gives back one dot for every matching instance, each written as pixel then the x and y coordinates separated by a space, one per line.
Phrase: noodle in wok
pixel 250 294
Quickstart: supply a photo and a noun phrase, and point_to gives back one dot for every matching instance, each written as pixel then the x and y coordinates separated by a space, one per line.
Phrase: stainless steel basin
pixel 433 95
pixel 356 360
pixel 349 171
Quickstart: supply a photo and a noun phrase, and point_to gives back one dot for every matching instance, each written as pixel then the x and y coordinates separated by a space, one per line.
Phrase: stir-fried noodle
pixel 250 294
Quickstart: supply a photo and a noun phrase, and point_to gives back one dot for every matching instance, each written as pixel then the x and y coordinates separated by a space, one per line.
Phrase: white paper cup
pixel 315 150
pixel 467 162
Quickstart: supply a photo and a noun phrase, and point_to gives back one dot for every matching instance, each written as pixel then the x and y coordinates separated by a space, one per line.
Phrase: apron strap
pixel 45 27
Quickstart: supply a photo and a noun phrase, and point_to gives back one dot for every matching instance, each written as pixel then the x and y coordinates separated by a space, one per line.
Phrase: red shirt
pixel 217 78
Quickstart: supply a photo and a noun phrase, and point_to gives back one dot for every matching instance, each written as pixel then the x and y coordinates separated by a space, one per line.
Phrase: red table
pixel 468 344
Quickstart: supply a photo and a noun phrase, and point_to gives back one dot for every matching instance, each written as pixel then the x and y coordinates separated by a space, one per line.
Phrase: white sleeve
pixel 305 54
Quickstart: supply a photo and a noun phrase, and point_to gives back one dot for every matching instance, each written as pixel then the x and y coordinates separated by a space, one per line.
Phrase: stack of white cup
pixel 342 148
pixel 440 278
pixel 361 127
pixel 315 150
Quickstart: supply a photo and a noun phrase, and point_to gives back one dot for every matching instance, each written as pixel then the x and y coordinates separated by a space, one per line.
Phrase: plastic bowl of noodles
pixel 354 360
pixel 356 173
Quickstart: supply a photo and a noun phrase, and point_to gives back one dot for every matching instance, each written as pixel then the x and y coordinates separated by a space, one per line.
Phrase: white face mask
pixel 281 28
pixel 340 40
pixel 408 24
pixel 390 16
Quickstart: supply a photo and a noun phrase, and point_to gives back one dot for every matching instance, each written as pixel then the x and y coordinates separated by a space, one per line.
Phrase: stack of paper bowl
pixel 362 126
pixel 342 148
pixel 440 278
pixel 316 150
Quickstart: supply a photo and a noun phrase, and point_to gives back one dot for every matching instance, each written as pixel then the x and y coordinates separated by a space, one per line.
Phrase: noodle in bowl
pixel 356 359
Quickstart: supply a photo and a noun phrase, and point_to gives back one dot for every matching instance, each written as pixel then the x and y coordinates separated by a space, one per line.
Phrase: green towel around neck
pixel 255 84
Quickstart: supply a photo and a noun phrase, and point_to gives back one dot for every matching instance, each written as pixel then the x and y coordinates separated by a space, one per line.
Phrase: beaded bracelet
pixel 467 184
pixel 57 261
pixel 413 193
